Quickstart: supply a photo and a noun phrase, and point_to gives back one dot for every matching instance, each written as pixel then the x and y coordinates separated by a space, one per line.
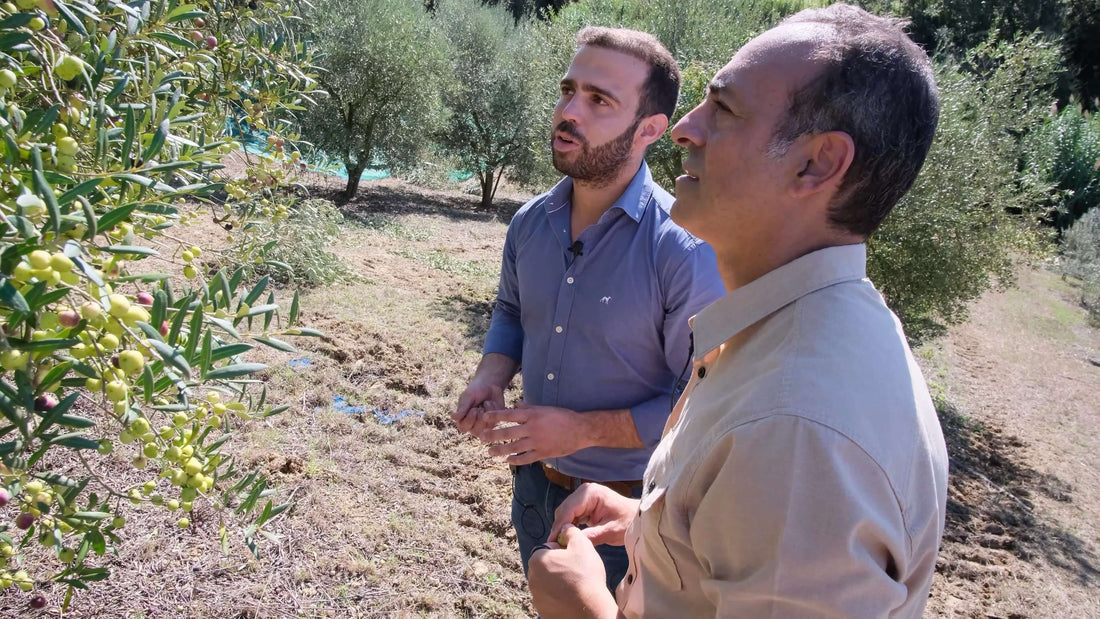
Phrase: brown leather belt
pixel 556 477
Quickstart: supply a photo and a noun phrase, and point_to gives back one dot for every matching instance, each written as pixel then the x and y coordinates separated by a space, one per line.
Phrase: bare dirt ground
pixel 1019 399
pixel 410 519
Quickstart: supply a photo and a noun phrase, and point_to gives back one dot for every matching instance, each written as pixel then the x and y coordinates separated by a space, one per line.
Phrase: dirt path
pixel 1020 402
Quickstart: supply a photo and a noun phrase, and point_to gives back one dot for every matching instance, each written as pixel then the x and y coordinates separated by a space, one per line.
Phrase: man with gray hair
pixel 803 472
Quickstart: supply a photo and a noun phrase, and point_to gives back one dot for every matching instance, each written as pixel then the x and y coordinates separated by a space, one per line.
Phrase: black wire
pixel 531 507
pixel 680 385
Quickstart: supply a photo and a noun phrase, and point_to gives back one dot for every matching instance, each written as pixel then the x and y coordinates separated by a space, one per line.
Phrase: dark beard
pixel 600 165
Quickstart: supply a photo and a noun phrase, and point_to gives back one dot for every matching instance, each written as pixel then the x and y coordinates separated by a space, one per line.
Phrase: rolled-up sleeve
pixel 691 285
pixel 797 520
pixel 650 417
pixel 505 334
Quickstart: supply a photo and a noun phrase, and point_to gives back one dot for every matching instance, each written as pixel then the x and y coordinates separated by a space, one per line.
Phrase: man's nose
pixel 686 132
pixel 571 110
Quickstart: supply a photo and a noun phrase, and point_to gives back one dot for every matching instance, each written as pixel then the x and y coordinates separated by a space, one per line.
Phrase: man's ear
pixel 825 160
pixel 651 129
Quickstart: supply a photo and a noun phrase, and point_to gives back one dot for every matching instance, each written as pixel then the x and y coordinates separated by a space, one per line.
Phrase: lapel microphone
pixel 576 248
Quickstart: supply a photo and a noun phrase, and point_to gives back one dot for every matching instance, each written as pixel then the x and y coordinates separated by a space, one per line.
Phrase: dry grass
pixel 1019 409
pixel 405 519
pixel 411 519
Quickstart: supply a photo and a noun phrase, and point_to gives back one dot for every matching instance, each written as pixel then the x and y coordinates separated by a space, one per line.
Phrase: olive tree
pixel 972 212
pixel 112 117
pixel 499 102
pixel 381 63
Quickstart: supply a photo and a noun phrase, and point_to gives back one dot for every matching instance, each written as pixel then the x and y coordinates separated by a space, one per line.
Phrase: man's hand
pixel 479 397
pixel 485 392
pixel 540 432
pixel 570 581
pixel 607 514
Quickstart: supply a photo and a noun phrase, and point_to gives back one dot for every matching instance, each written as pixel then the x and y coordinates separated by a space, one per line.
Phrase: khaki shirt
pixel 804 472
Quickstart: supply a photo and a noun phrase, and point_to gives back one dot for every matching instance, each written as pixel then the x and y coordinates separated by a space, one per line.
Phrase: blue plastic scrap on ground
pixel 340 404
pixel 383 416
pixel 300 362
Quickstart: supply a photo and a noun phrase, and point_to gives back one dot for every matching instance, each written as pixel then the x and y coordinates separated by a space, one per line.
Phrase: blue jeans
pixel 534 500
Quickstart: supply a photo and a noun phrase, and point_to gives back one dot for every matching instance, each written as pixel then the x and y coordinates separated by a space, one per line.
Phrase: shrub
pixel 1082 45
pixel 970 214
pixel 292 250
pixel 695 31
pixel 960 25
pixel 112 114
pixel 1081 259
pixel 440 174
pixel 1065 153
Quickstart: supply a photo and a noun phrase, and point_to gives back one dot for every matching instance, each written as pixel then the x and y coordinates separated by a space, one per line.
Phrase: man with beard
pixel 596 288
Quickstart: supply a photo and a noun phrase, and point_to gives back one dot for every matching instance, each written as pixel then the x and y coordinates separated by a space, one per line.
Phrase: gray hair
pixel 877 86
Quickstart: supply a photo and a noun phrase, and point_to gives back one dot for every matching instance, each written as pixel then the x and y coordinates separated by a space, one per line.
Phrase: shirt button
pixel 558 328
pixel 702 372
pixel 630 579
pixel 569 280
pixel 652 485
pixel 550 376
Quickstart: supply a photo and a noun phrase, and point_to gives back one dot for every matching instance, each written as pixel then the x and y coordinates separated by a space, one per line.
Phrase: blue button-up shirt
pixel 609 328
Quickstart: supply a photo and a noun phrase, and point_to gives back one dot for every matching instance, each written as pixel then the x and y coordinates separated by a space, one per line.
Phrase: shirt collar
pixel 637 194
pixel 633 200
pixel 747 305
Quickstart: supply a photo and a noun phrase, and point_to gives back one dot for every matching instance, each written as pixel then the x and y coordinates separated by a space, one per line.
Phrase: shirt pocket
pixel 658 560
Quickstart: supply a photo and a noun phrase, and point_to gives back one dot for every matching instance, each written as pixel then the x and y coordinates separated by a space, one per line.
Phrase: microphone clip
pixel 576 249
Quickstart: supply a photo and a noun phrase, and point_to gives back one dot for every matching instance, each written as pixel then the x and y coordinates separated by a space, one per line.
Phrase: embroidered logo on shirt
pixel 606 300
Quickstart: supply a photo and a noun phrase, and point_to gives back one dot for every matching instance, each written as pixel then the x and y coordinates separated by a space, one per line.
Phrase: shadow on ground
pixel 472 311
pixel 989 505
pixel 405 200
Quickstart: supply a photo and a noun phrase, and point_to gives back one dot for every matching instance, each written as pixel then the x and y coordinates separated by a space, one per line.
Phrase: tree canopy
pixel 381 63
pixel 498 103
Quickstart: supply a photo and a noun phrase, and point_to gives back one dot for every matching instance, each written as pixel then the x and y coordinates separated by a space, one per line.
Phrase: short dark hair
pixel 877 86
pixel 662 86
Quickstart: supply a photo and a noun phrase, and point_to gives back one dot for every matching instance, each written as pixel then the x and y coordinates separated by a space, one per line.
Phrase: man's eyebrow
pixel 717 88
pixel 724 91
pixel 606 94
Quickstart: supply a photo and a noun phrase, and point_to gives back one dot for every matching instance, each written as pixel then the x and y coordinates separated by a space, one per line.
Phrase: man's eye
pixel 598 100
